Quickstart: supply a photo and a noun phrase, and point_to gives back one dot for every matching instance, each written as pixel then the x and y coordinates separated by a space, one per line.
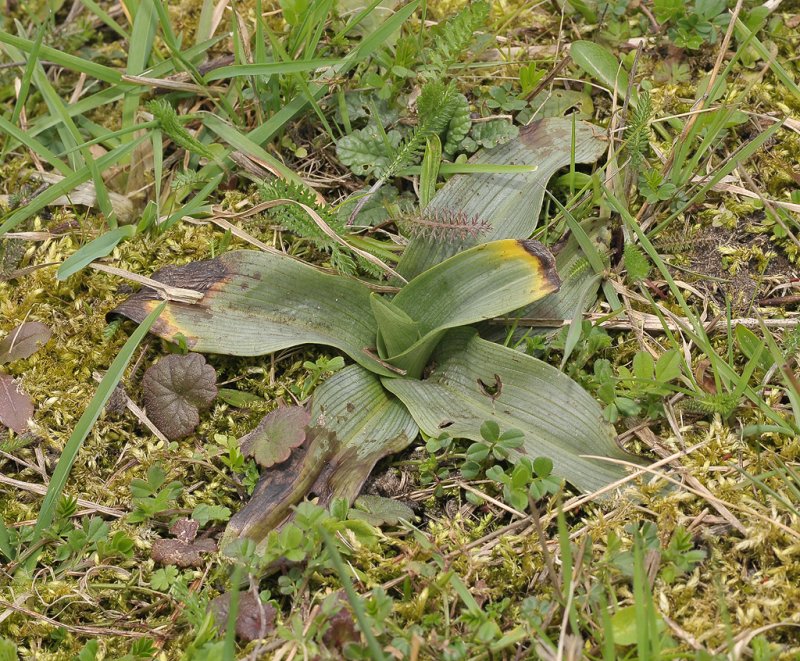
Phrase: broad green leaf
pixel 751 344
pixel 625 624
pixel 256 303
pixel 99 247
pixel 475 381
pixel 668 366
pixel 396 330
pixel 579 281
pixel 600 64
pixel 644 367
pixel 509 202
pixel 477 284
pixel 355 424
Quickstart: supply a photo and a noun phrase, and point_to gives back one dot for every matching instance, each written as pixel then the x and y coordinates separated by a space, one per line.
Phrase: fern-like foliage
pixel 436 105
pixel 451 38
pixel 723 404
pixel 445 225
pixel 636 263
pixel 637 134
pixel 187 179
pixel 298 222
pixel 168 121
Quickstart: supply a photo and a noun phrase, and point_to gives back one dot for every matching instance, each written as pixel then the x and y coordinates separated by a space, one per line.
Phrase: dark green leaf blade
pixel 256 303
pixel 509 203
pixel 355 424
pixel 558 418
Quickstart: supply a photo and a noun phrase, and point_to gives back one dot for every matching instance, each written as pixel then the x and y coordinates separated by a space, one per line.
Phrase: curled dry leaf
pixel 23 341
pixel 16 408
pixel 254 618
pixel 278 433
pixel 176 389
pixel 182 551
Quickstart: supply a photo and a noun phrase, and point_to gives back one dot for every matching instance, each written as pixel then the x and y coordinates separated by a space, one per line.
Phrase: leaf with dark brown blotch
pixel 182 551
pixel 23 341
pixel 176 389
pixel 254 619
pixel 16 408
pixel 278 433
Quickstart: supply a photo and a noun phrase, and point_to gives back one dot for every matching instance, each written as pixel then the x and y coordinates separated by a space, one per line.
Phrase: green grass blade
pixel 98 11
pixel 25 138
pixel 141 45
pixel 99 247
pixel 238 140
pixel 66 185
pixel 269 68
pixel 30 68
pixel 742 31
pixel 62 59
pixel 85 424
pixel 375 650
pixel 204 22
pixel 5 542
pixel 429 171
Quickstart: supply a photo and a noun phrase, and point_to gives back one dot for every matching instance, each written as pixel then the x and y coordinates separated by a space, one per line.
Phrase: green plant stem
pixel 355 601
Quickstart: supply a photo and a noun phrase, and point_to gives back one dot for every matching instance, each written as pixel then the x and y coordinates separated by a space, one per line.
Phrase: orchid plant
pixel 418 361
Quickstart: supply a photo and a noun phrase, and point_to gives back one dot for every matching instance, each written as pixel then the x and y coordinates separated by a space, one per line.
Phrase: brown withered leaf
pixel 182 551
pixel 254 619
pixel 23 341
pixel 16 408
pixel 176 389
pixel 278 433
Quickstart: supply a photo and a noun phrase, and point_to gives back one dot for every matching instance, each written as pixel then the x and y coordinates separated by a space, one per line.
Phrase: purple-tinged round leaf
pixel 16 408
pixel 254 619
pixel 176 389
pixel 278 433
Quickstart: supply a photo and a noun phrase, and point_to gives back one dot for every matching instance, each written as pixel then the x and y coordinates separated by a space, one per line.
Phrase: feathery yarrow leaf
pixel 168 121
pixel 637 134
pixel 436 106
pixel 452 38
pixel 298 222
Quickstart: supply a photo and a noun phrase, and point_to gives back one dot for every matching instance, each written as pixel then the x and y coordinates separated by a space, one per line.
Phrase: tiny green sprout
pixel 162 579
pixel 316 371
pixel 152 496
pixel 528 479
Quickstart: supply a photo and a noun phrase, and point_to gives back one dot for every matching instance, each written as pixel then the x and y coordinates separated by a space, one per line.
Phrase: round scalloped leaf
pixel 176 389
pixel 278 433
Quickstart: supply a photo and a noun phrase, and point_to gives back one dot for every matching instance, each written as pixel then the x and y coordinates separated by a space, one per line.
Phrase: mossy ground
pixel 739 599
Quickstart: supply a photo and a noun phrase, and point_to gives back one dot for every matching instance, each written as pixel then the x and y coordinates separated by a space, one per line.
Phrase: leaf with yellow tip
pixel 480 283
